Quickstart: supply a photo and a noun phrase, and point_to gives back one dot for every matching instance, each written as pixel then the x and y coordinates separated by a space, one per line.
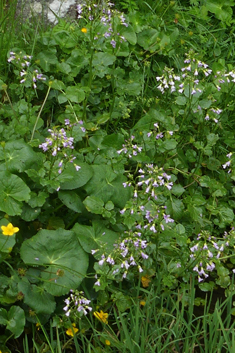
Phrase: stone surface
pixel 47 10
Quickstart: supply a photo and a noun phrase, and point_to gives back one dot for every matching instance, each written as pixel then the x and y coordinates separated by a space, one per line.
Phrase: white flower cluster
pixel 77 304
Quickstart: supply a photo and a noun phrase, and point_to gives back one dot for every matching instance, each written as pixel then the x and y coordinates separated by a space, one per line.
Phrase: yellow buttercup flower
pixel 84 30
pixel 107 342
pixel 101 316
pixel 72 330
pixel 9 230
pixel 142 302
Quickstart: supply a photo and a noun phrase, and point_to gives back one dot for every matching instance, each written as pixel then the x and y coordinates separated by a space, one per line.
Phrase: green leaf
pixel 71 200
pixel 175 207
pixel 37 200
pixel 3 316
pixel 58 85
pixel 71 179
pixel 102 119
pixel 123 302
pixel 103 59
pixel 213 163
pixel 18 156
pixel 61 252
pixel 177 190
pixel 29 214
pixel 205 103
pixel 181 100
pixel 129 34
pixel 108 186
pixel 212 139
pixel 226 214
pixel 45 59
pixel 94 205
pixel 95 237
pixel 206 287
pixel 169 144
pixel 148 39
pixel 37 298
pixel 75 94
pixel 65 39
pixel 195 212
pixel 12 191
pixel 16 320
pixel 219 9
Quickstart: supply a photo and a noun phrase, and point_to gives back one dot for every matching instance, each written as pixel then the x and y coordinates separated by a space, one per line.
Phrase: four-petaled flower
pixel 9 230
pixel 101 316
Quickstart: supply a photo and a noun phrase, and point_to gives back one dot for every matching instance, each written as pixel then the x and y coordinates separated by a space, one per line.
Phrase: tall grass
pixel 165 324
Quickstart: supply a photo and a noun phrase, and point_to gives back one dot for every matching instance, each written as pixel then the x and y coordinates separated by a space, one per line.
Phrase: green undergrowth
pixel 117 179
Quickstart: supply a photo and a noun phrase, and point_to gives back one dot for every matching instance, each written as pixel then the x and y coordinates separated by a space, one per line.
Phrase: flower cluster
pixel 19 59
pixel 228 163
pixel 129 148
pixel 76 304
pixel 214 114
pixel 153 178
pixel 108 14
pixel 167 80
pixel 157 134
pixel 59 142
pixel 206 252
pixel 23 62
pixel 149 219
pixel 128 254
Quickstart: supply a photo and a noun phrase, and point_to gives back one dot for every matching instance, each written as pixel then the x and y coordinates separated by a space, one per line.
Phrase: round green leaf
pixel 71 179
pixel 62 255
pixel 18 156
pixel 12 191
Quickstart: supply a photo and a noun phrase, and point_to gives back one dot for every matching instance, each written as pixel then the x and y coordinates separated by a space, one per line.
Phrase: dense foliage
pixel 117 179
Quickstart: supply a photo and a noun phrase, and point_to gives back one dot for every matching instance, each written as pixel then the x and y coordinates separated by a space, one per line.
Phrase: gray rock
pixel 47 10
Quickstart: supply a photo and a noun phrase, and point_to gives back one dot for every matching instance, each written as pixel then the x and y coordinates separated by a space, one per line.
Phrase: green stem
pixel 40 111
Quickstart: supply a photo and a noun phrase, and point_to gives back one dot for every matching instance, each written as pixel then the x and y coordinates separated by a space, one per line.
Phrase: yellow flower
pixel 9 229
pixel 145 280
pixel 107 342
pixel 84 30
pixel 72 330
pixel 142 302
pixel 101 316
